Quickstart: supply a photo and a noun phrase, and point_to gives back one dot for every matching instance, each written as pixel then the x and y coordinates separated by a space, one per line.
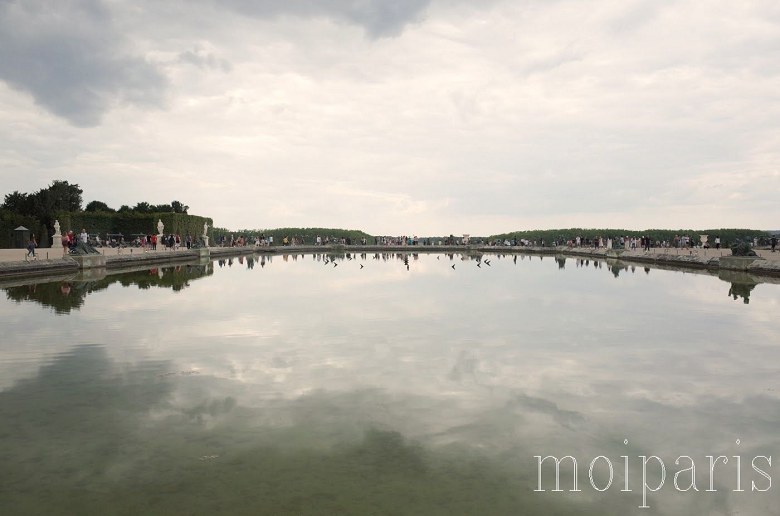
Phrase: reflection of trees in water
pixel 61 296
pixel 64 296
pixel 92 436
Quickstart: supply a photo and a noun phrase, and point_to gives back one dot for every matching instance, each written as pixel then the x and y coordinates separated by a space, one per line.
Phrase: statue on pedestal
pixel 56 240
pixel 160 227
pixel 205 234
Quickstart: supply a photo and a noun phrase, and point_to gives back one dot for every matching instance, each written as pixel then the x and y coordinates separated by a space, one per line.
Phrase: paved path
pixel 13 255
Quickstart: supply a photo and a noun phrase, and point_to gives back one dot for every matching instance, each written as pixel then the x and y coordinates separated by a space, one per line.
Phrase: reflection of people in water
pixel 65 289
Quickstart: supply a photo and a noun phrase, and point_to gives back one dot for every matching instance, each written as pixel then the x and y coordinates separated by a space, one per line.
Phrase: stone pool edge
pixel 129 259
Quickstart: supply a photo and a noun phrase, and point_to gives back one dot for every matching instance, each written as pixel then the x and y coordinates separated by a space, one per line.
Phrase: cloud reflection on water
pixel 493 365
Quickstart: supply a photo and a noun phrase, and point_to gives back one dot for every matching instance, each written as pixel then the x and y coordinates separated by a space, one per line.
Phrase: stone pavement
pixel 13 255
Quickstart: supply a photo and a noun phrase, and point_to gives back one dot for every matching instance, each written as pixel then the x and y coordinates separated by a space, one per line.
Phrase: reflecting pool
pixel 394 384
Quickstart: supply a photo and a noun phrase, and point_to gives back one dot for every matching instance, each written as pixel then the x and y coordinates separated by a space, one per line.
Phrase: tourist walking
pixel 773 242
pixel 83 236
pixel 31 245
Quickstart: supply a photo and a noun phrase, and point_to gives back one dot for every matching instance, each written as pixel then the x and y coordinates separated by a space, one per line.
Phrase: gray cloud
pixel 68 57
pixel 77 64
pixel 203 60
pixel 379 18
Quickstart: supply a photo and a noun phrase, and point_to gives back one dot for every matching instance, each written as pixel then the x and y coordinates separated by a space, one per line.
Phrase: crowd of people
pixel 631 243
pixel 169 242
pixel 150 242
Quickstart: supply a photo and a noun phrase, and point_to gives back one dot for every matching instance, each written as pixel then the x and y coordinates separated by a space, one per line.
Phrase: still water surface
pixel 314 389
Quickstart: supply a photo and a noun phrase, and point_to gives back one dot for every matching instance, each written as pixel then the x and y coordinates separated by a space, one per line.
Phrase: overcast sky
pixel 420 117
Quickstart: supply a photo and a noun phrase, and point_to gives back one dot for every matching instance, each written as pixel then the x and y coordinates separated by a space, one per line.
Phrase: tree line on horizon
pixel 63 196
pixel 308 234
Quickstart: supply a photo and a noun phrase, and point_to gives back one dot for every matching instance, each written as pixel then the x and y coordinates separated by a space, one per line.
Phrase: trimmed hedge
pixel 129 223
pixel 10 221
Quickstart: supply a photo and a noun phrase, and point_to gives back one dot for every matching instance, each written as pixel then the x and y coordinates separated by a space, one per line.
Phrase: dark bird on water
pixel 361 265
pixel 453 266
pixel 478 265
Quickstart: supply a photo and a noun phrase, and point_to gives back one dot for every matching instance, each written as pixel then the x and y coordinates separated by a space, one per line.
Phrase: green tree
pixel 18 202
pixel 59 196
pixel 99 206
pixel 62 196
pixel 142 207
pixel 179 207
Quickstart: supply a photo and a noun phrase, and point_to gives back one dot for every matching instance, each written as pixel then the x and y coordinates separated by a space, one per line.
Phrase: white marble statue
pixel 205 236
pixel 160 227
pixel 56 239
